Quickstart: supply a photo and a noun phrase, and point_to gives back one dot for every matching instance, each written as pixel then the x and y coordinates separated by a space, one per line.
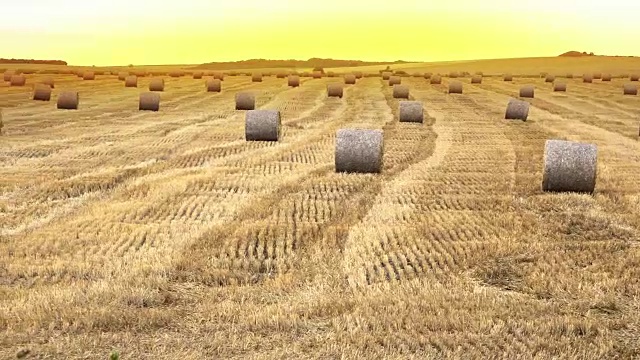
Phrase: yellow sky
pixel 145 32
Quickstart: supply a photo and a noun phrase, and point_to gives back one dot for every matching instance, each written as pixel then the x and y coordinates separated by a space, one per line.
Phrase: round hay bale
pixel 68 100
pixel 358 74
pixel 42 92
pixel 131 81
pixel 527 91
pixel 334 90
pixel 317 75
pixel 331 74
pixel 386 75
pixel 139 73
pixel 359 150
pixel 569 166
pixel 606 77
pixel 8 74
pixel 435 79
pixel 198 75
pixel 453 74
pixel 476 79
pixel 410 111
pixel 213 85
pixel 49 81
pixel 549 78
pixel 293 80
pixel 587 78
pixel 630 89
pixel 634 77
pixel 416 74
pixel 349 79
pixel 149 101
pixel 175 74
pixel 18 80
pixel 479 73
pixel 569 76
pixel 262 125
pixel 245 101
pixel 122 75
pixel 559 86
pixel 281 75
pixel 256 77
pixel 219 76
pixel 455 87
pixel 156 84
pixel 507 77
pixel 395 80
pixel 400 91
pixel 427 75
pixel 88 75
pixel 517 110
pixel 597 76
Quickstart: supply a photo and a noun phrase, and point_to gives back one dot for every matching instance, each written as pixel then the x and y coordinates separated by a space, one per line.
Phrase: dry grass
pixel 166 235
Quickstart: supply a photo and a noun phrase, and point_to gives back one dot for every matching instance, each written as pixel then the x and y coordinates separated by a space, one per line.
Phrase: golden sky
pixel 146 32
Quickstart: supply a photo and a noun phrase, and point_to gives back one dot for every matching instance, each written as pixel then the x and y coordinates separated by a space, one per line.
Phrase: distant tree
pixel 318 68
pixel 591 53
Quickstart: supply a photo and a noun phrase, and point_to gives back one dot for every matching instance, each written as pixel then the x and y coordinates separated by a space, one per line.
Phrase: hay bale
pixel 359 150
pixel 435 79
pixel 349 79
pixel 569 76
pixel 543 74
pixel 455 87
pixel 156 84
pixel 416 74
pixel 18 80
pixel 334 90
pixel 262 125
pixel 88 75
pixel 569 166
pixel 122 75
pixel 606 77
pixel 453 74
pixel 149 101
pixel 410 111
pixel 395 80
pixel 634 77
pixel 527 91
pixel 400 92
pixel 175 74
pixel 293 80
pixel 427 75
pixel 317 75
pixel 597 76
pixel 68 100
pixel 476 79
pixel 559 86
pixel 587 78
pixel 245 101
pixel 131 81
pixel 256 77
pixel 281 75
pixel 198 75
pixel 8 74
pixel 386 75
pixel 213 85
pixel 630 89
pixel 49 81
pixel 358 74
pixel 42 92
pixel 517 110
pixel 549 78
pixel 507 77
pixel 220 76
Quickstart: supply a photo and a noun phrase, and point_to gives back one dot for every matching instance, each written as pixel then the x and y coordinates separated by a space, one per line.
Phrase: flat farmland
pixel 167 235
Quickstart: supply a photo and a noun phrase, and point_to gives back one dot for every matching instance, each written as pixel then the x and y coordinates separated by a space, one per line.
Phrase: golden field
pixel 165 235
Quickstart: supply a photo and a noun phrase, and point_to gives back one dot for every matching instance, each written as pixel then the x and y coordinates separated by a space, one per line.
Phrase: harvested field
pixel 167 235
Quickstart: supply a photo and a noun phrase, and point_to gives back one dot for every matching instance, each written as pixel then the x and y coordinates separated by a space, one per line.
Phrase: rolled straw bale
pixel 42 92
pixel 122 75
pixel 156 84
pixel 543 74
pixel 317 75
pixel 68 100
pixel 358 74
pixel 634 77
pixel 453 74
pixel 334 90
pixel 400 91
pixel 8 74
pixel 549 78
pixel 98 73
pixel 232 73
pixel 305 74
pixel 245 101
pixel 175 73
pixel 293 80
pixel 569 76
pixel 435 79
pixel 331 74
pixel 476 79
pixel 49 81
pixel 606 77
pixel 630 89
pixel 559 86
pixel 587 78
pixel 219 76
pixel 131 81
pixel 386 75
pixel 198 75
pixel 256 77
pixel 395 80
pixel 410 111
pixel 139 73
pixel 427 75
pixel 88 75
pixel 359 150
pixel 479 73
pixel 507 77
pixel 517 110
pixel 416 74
pixel 455 87
pixel 149 101
pixel 527 91
pixel 597 76
pixel 281 75
pixel 213 85
pixel 18 80
pixel 349 79
pixel 262 125
pixel 569 166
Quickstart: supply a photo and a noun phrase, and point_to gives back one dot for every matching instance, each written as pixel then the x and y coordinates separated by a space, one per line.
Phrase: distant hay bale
pixel 400 92
pixel 549 78
pixel 359 150
pixel 175 73
pixel 435 79
pixel 122 75
pixel 262 125
pixel 517 110
pixel 213 85
pixel 455 87
pixel 479 73
pixel 358 74
pixel 139 73
pixel 88 75
pixel 232 73
pixel 606 77
pixel 634 77
pixel 42 92
pixel 317 75
pixel 507 77
pixel 587 78
pixel 198 75
pixel 18 80
pixel 219 76
pixel 569 166
pixel 476 79
pixel 331 74
pixel 453 74
pixel 245 101
pixel 411 111
pixel 543 74
pixel 149 101
pixel 305 74
pixel 256 77
pixel 68 100
pixel 49 81
pixel 131 81
pixel 394 80
pixel 99 73
pixel 416 74
pixel 427 75
pixel 281 75
pixel 8 74
pixel 349 79
pixel 527 91
pixel 597 76
pixel 630 89
pixel 334 90
pixel 156 84
pixel 293 80
pixel 569 76
pixel 559 86
pixel 386 75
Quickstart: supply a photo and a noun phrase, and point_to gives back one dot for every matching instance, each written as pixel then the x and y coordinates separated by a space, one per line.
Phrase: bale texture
pixel 359 151
pixel 256 77
pixel 334 90
pixel 358 74
pixel 8 74
pixel 386 75
pixel 587 78
pixel 435 79
pixel 175 73
pixel 527 91
pixel 411 111
pixel 198 75
pixel 131 81
pixel 18 80
pixel 88 75
pixel 569 76
pixel 219 76
pixel 597 76
pixel 122 76
pixel 156 84
pixel 400 91
pixel 455 87
pixel 213 85
pixel 350 79
pixel 517 110
pixel 630 89
pixel 453 74
pixel 569 166
pixel 507 77
pixel 559 86
pixel 476 79
pixel 549 78
pixel 42 92
pixel 395 80
pixel 317 75
pixel 245 101
pixel 606 77
pixel 262 125
pixel 68 100
pixel 634 77
pixel 149 101
pixel 49 81
pixel 293 80
pixel 427 75
pixel 281 75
